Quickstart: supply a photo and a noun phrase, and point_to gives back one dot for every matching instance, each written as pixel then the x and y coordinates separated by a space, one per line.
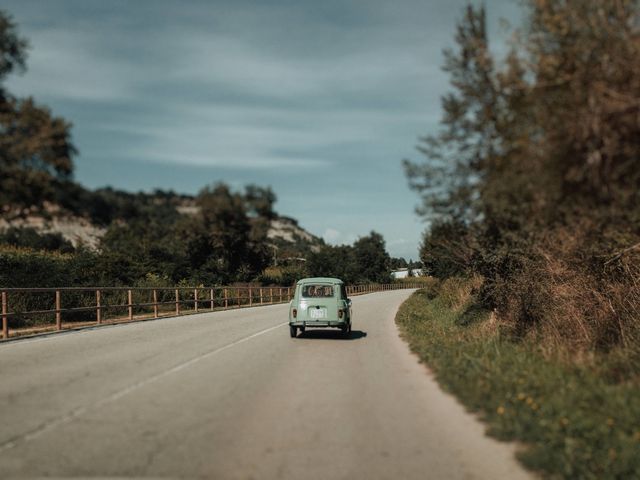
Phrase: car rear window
pixel 317 291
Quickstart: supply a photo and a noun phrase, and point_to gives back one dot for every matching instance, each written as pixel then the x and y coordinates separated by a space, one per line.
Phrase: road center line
pixel 68 417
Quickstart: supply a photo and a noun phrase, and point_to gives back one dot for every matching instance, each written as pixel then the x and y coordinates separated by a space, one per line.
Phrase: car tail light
pixel 340 313
pixel 294 312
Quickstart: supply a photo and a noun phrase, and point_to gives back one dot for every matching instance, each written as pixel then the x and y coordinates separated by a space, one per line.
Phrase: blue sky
pixel 321 100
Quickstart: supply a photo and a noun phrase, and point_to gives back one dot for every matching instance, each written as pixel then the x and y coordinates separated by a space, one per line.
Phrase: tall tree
pixel 35 146
pixel 374 263
pixel 448 181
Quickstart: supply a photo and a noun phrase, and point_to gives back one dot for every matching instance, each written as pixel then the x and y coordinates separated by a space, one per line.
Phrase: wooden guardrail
pixel 34 310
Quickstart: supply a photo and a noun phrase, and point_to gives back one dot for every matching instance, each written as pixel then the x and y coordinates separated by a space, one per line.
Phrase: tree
pixel 35 146
pixel 334 261
pixel 374 263
pixel 13 48
pixel 260 201
pixel 235 249
pixel 447 249
pixel 555 127
pixel 397 263
pixel 448 182
pixel 533 181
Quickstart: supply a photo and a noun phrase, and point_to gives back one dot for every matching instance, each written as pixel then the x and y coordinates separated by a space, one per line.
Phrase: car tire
pixel 293 331
pixel 302 329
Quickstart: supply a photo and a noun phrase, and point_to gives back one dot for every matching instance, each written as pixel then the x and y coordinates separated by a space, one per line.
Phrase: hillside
pixel 81 228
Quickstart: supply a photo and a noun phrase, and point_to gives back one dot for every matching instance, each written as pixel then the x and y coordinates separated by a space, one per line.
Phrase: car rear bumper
pixel 319 323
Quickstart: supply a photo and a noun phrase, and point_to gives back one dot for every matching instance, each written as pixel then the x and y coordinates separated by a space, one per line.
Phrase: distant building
pixel 404 272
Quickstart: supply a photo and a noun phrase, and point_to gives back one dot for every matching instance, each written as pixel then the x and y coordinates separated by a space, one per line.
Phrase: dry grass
pixel 575 303
pixel 457 292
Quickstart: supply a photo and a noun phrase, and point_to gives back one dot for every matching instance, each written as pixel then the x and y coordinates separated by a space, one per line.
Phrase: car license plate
pixel 317 313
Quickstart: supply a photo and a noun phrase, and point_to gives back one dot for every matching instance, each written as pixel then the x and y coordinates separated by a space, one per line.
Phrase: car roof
pixel 320 280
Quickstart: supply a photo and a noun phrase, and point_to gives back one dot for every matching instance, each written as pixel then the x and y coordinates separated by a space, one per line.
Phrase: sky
pixel 321 100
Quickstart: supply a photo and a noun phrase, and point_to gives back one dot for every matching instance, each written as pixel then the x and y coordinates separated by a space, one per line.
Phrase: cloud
pixel 82 60
pixel 320 100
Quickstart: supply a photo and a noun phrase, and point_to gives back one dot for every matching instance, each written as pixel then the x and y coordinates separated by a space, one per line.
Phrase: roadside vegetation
pixel 531 192
pixel 533 183
pixel 576 419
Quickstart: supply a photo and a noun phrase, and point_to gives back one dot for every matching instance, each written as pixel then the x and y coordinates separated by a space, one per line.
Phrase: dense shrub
pixel 31 238
pixel 533 181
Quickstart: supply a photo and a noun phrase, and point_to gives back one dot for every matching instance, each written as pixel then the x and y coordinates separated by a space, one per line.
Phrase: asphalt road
pixel 231 395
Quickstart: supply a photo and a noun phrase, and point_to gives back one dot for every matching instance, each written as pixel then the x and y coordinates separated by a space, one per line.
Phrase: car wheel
pixel 349 328
pixel 292 331
pixel 302 329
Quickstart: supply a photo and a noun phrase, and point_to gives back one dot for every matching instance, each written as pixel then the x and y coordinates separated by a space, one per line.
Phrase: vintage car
pixel 320 303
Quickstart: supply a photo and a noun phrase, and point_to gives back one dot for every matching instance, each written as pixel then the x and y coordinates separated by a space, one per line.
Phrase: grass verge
pixel 575 422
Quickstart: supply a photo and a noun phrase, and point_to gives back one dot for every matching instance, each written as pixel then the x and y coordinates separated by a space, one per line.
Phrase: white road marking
pixel 37 432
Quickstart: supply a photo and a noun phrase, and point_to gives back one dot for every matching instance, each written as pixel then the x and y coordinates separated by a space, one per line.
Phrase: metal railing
pixel 34 310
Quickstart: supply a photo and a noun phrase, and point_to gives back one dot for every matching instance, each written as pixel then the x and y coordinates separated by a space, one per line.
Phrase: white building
pixel 404 272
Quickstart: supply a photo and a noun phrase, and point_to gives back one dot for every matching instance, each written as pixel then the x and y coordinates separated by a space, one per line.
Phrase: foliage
pixel 35 146
pixel 333 261
pixel 30 238
pixel 24 267
pixel 397 263
pixel 259 201
pixel 13 48
pixel 447 249
pixel 283 275
pixel 533 181
pixel 372 259
pixel 366 261
pixel 574 420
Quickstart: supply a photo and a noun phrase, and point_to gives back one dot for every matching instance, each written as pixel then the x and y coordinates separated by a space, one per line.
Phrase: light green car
pixel 320 303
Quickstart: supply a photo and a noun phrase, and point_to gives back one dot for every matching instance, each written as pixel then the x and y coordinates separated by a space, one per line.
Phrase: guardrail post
pixel 58 312
pixel 260 295
pixel 155 303
pixel 270 294
pixel 195 299
pixel 177 301
pixel 130 304
pixel 211 296
pixel 250 296
pixel 226 298
pixel 98 308
pixel 5 319
pixel 280 295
